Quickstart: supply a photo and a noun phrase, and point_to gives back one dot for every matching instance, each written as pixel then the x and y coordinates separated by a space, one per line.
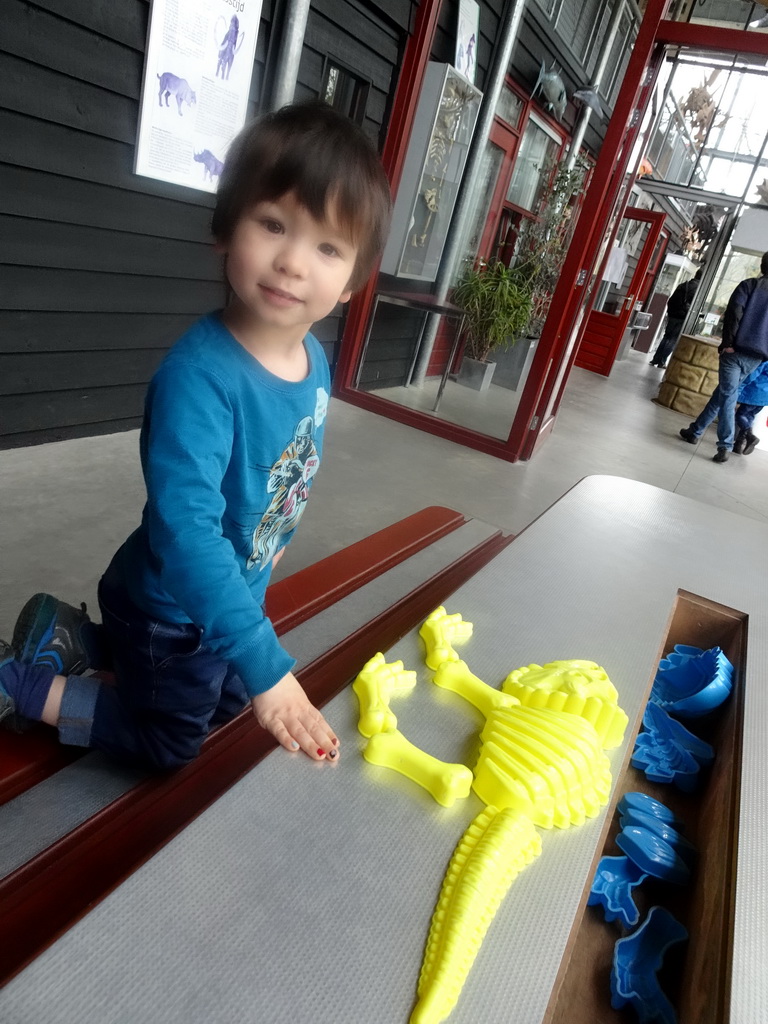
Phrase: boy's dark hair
pixel 764 264
pixel 319 155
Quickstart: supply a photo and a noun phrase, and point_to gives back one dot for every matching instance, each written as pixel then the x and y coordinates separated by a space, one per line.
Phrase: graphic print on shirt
pixel 289 482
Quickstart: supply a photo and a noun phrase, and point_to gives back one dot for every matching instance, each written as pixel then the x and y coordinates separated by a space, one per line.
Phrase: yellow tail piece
pixel 491 853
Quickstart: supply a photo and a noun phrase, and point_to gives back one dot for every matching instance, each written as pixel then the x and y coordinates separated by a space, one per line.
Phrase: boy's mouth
pixel 278 297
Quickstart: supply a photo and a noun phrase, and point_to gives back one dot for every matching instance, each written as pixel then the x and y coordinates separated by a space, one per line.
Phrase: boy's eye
pixel 329 250
pixel 273 226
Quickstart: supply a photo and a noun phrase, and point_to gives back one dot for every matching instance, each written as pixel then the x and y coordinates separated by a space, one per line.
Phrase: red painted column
pixel 568 300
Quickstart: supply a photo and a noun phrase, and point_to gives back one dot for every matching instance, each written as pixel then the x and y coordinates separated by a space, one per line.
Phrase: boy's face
pixel 286 269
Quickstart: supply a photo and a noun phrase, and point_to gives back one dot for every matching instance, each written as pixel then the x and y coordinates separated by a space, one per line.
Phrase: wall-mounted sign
pixel 466 38
pixel 197 76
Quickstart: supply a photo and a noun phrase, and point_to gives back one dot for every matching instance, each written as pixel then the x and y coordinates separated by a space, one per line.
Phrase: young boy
pixel 231 440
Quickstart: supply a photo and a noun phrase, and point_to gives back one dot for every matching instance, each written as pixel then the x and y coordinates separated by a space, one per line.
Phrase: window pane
pixel 483 194
pixel 509 107
pixel 537 153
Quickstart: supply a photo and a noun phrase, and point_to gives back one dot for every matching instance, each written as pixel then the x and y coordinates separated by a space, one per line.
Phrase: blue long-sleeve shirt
pixel 228 452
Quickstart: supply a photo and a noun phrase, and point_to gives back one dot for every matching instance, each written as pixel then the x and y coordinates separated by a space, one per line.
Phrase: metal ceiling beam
pixel 697 195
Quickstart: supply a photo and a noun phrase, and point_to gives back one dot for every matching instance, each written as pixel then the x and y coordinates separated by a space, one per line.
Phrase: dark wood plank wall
pixel 100 270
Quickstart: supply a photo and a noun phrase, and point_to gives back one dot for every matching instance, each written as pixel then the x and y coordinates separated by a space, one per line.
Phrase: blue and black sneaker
pixel 7 703
pixel 53 633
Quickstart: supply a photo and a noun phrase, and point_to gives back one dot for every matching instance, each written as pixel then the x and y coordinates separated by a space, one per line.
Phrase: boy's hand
pixel 277 557
pixel 286 712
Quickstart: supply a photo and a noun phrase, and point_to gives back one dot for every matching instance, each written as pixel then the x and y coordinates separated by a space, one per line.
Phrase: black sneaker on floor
pixel 688 435
pixel 721 455
pixel 752 442
pixel 53 633
pixel 738 444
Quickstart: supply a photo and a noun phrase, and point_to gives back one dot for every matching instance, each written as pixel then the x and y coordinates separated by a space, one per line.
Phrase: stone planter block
pixel 685 375
pixel 684 349
pixel 667 392
pixel 689 402
pixel 691 376
pixel 705 355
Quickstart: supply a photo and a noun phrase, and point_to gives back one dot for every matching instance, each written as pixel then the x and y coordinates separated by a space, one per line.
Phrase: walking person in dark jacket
pixel 678 305
pixel 743 348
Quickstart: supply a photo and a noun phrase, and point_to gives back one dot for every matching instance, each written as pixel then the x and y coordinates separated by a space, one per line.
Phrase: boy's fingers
pixel 325 737
pixel 308 742
pixel 283 736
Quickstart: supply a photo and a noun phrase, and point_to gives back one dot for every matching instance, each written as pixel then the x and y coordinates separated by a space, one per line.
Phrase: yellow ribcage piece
pixel 494 849
pixel 542 763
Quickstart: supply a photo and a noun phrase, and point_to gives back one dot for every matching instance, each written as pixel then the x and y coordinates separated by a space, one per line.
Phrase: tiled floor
pixel 65 507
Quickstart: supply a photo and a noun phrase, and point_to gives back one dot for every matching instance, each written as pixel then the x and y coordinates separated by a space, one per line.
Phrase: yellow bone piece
pixel 439 632
pixel 455 676
pixel 374 686
pixel 577 687
pixel 446 782
pixel 548 764
pixel 490 855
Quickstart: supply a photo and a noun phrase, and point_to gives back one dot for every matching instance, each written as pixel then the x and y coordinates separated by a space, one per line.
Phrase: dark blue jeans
pixel 669 341
pixel 745 416
pixel 734 369
pixel 170 689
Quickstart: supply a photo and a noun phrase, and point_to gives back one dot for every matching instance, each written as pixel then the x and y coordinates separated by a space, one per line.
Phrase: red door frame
pixel 612 326
pixel 557 347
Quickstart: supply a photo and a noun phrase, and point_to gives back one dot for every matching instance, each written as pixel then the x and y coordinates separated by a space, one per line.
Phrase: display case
pixel 442 131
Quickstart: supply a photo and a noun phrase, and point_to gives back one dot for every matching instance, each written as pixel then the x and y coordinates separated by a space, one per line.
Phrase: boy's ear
pixel 345 296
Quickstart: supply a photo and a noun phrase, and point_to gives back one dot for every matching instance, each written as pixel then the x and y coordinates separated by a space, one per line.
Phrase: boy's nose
pixel 291 259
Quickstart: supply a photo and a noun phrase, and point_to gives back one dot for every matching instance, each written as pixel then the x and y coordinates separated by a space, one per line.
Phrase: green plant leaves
pixel 496 300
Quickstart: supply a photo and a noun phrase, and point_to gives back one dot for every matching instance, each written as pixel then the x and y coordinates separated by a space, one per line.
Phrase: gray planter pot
pixel 512 364
pixel 475 374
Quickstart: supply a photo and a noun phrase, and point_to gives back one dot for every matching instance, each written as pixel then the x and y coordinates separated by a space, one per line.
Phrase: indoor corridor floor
pixel 65 507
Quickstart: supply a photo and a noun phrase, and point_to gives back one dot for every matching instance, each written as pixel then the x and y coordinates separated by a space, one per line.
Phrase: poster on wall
pixel 197 76
pixel 466 38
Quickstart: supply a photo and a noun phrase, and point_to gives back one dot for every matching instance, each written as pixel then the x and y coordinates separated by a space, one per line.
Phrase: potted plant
pixel 496 301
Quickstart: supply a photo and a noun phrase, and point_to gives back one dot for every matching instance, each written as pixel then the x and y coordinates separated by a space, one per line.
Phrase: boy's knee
pixel 168 753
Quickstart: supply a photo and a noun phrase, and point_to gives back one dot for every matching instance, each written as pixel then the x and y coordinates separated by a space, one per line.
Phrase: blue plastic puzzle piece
pixel 652 854
pixel 692 684
pixel 682 846
pixel 663 760
pixel 647 805
pixel 656 718
pixel 636 961
pixel 612 887
pixel 668 752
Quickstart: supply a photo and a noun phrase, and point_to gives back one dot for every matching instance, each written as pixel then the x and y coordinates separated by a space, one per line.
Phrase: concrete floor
pixel 65 507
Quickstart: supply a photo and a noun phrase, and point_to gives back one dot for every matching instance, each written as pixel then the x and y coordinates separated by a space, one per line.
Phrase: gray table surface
pixel 305 893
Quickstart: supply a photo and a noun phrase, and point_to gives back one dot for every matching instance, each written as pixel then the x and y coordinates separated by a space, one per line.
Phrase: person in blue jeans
pixel 231 441
pixel 743 348
pixel 752 398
